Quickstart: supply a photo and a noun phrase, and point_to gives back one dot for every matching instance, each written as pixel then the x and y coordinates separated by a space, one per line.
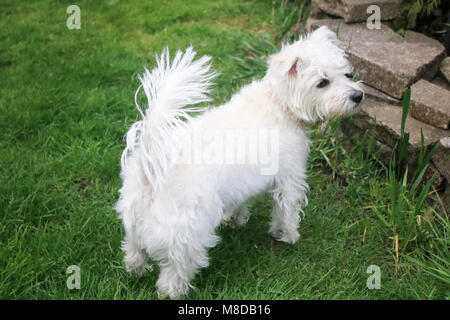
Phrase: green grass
pixel 66 101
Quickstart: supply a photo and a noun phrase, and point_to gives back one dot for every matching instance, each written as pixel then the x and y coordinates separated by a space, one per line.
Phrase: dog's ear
pixel 293 70
pixel 285 63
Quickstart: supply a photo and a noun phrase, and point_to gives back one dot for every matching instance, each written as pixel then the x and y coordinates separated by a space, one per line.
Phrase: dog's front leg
pixel 287 207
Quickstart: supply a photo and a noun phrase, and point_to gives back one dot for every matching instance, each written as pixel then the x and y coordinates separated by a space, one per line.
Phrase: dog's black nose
pixel 357 96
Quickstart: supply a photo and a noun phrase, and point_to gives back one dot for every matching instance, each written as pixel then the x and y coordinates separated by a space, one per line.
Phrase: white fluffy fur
pixel 171 208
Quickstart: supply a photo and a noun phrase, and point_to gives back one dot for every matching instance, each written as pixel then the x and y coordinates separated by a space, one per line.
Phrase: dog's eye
pixel 323 83
pixel 349 75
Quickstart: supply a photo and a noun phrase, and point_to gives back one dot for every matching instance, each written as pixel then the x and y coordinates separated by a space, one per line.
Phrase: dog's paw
pixel 136 264
pixel 140 270
pixel 290 237
pixel 172 287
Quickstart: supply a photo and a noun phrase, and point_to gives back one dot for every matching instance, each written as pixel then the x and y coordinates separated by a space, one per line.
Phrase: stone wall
pixel 388 64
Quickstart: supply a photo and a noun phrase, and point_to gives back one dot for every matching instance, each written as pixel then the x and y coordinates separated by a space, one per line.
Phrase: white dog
pixel 173 199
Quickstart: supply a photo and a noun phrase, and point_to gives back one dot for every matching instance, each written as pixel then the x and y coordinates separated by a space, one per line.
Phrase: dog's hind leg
pixel 135 259
pixel 179 268
pixel 184 253
pixel 129 205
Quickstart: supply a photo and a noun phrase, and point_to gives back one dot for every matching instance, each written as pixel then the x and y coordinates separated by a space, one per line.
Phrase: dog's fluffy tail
pixel 169 87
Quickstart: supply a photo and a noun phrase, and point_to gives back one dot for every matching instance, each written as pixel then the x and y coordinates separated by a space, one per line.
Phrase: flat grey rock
pixel 355 33
pixel 377 95
pixel 445 68
pixel 417 37
pixel 441 82
pixel 388 125
pixel 356 10
pixel 430 104
pixel 383 59
pixel 393 67
pixel 441 158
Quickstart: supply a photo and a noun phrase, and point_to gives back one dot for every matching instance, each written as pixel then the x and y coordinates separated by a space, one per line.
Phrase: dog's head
pixel 311 77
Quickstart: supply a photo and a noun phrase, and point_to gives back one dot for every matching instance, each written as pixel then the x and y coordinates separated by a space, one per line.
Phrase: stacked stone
pixel 388 64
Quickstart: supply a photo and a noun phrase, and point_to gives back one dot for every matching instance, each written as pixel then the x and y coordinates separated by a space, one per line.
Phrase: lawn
pixel 66 101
